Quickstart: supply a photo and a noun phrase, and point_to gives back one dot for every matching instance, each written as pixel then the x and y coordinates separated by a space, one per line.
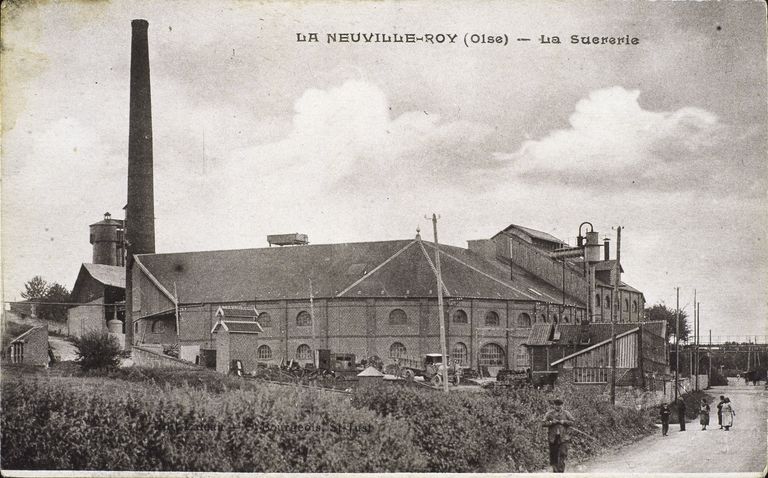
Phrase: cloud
pixel 613 143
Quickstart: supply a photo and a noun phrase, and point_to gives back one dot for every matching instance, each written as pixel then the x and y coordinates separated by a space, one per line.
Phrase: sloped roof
pixel 539 334
pixel 606 265
pixel 599 344
pixel 573 334
pixel 366 269
pixel 237 312
pixel 370 372
pixel 108 275
pixel 238 327
pixel 534 233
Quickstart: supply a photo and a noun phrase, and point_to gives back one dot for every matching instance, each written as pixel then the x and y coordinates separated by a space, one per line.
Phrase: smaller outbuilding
pixel 236 340
pixel 29 348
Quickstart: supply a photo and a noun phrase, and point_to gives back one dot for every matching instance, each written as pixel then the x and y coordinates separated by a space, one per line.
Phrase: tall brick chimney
pixel 140 212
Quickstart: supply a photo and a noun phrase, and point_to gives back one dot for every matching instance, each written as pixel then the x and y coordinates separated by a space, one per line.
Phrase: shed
pixel 236 340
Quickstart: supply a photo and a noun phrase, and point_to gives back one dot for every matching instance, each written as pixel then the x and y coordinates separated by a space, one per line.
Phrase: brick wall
pixel 153 357
pixel 85 318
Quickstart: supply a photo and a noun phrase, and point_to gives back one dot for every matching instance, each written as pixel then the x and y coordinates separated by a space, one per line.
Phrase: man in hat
pixel 558 420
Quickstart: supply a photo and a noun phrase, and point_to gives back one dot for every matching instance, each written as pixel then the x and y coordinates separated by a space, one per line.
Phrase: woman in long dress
pixel 728 414
pixel 704 414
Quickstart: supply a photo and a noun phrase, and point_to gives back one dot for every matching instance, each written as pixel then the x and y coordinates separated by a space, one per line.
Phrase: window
pixel 492 355
pixel 544 318
pixel 522 359
pixel 607 301
pixel 524 320
pixel 158 327
pixel 459 353
pixel 398 317
pixel 264 353
pixel 597 300
pixel 460 317
pixel 135 327
pixel 492 319
pixel 265 320
pixel 566 319
pixel 303 319
pixel 634 306
pixel 626 305
pixel 303 352
pixel 554 318
pixel 397 350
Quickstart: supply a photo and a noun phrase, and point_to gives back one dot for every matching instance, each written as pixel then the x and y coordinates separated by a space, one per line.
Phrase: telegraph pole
pixel 698 331
pixel 614 306
pixel 677 340
pixel 709 370
pixel 440 307
pixel 315 355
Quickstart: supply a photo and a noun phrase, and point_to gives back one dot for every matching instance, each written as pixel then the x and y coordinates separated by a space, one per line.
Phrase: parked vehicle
pixel 429 366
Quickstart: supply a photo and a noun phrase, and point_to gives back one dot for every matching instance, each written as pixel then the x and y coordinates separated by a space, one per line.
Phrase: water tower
pixel 107 240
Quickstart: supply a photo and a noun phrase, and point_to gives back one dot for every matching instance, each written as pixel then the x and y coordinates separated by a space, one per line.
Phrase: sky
pixel 256 133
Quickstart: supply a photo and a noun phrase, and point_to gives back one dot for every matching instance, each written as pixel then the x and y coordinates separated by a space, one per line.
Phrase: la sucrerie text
pixel 452 38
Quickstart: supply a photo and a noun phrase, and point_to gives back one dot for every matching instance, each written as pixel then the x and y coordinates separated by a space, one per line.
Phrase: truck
pixel 429 366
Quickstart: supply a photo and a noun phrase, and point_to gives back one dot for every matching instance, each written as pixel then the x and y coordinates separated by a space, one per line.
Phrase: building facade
pixel 369 299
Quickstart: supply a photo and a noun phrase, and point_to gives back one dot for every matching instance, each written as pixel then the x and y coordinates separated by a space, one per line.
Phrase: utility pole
pixel 698 330
pixel 677 340
pixel 614 305
pixel 691 352
pixel 709 370
pixel 440 307
pixel 315 355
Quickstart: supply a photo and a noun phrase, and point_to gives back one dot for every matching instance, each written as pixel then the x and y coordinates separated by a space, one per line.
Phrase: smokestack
pixel 607 249
pixel 140 213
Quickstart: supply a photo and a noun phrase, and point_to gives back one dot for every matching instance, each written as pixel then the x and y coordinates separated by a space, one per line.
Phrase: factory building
pixel 368 299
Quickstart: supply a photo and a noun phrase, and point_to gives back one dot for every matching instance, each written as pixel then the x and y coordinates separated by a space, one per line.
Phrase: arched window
pixel 554 318
pixel 492 319
pixel 265 320
pixel 492 355
pixel 544 318
pixel 523 320
pixel 607 301
pixel 265 353
pixel 634 306
pixel 158 327
pixel 566 319
pixel 303 352
pixel 626 305
pixel 397 350
pixel 597 300
pixel 303 319
pixel 398 317
pixel 459 353
pixel 460 317
pixel 522 359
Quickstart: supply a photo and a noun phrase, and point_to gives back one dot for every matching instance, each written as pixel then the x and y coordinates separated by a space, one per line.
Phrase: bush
pixel 500 430
pixel 98 424
pixel 97 350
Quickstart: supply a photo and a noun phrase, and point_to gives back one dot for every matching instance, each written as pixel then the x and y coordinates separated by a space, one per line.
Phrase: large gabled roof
pixel 400 268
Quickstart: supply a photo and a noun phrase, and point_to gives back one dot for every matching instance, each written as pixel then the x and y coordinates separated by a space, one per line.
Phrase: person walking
pixel 681 413
pixel 665 412
pixel 720 411
pixel 558 421
pixel 704 414
pixel 728 414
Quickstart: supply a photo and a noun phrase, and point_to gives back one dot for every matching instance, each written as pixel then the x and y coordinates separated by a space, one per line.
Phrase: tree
pixel 39 290
pixel 661 312
pixel 35 289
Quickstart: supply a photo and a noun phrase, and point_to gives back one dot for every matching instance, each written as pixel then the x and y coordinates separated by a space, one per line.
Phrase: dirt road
pixel 742 449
